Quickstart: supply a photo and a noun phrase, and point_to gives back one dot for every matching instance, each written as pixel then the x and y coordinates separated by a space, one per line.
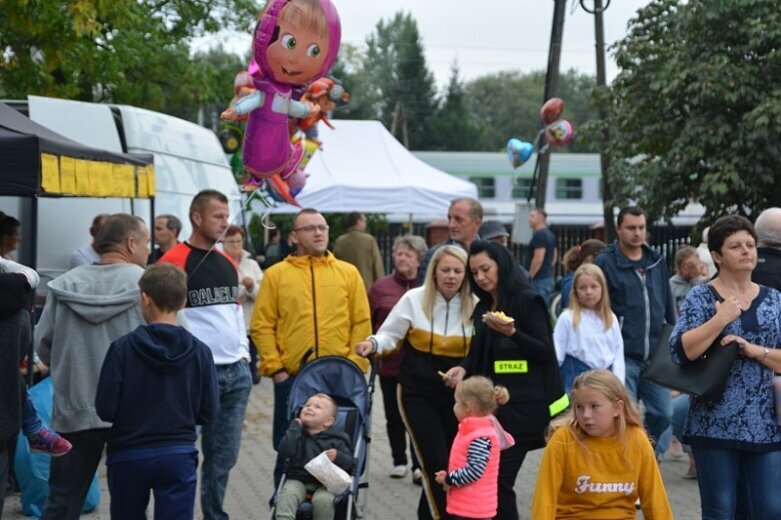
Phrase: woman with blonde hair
pixel 587 334
pixel 599 460
pixel 433 325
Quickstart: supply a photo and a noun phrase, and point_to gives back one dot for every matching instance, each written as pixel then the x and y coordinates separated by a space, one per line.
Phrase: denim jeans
pixel 680 411
pixel 31 423
pixel 721 471
pixel 657 401
pixel 571 368
pixel 281 394
pixel 220 441
pixel 70 476
pixel 543 287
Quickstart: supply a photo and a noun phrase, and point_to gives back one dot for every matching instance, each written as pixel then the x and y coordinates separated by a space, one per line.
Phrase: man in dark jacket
pixel 640 297
pixel 15 335
pixel 768 228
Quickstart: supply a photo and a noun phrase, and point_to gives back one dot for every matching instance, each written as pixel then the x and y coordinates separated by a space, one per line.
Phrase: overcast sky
pixel 483 36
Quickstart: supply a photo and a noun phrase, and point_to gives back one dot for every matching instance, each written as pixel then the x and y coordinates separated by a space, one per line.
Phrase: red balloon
pixel 552 110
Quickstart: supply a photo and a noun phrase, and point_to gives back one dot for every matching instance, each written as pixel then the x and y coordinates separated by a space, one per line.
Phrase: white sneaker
pixel 417 477
pixel 398 471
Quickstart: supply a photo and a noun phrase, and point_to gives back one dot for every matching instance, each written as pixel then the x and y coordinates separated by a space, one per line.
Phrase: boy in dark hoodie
pixel 309 435
pixel 156 384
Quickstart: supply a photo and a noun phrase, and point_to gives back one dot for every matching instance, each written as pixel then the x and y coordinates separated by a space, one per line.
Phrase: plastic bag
pixel 32 469
pixel 335 479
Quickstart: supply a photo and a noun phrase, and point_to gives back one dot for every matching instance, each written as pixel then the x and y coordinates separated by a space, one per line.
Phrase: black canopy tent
pixel 37 162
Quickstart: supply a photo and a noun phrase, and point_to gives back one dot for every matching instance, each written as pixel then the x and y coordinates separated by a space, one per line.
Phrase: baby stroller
pixel 340 378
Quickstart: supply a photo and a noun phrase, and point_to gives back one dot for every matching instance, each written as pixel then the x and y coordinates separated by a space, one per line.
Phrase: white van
pixel 188 159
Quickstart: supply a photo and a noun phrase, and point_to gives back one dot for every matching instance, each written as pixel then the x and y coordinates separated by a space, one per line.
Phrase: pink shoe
pixel 49 441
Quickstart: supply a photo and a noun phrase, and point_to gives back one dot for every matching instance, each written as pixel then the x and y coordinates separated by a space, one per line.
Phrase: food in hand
pixel 498 316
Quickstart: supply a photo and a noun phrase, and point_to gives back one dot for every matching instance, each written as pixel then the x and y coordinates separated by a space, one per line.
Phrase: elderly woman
pixel 517 353
pixel 408 252
pixel 735 440
pixel 433 323
pixel 250 276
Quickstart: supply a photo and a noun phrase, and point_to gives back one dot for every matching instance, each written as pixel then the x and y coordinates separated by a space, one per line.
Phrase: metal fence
pixel 663 239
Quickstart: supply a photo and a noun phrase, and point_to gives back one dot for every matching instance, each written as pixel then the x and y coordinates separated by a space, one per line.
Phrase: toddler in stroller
pixel 330 408
pixel 310 434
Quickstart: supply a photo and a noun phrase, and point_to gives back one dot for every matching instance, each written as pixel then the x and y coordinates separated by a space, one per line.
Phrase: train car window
pixel 522 186
pixel 569 189
pixel 486 187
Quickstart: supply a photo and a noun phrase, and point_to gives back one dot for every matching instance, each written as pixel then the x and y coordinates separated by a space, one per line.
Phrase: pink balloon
pixel 559 132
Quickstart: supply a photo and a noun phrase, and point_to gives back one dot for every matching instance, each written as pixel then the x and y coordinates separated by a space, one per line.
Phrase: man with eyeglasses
pixel 310 305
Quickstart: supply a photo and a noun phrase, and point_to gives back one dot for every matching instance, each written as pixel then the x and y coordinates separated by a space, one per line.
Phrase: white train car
pixel 574 191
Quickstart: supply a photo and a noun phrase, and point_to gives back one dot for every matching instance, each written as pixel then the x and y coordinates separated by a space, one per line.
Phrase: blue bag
pixel 32 469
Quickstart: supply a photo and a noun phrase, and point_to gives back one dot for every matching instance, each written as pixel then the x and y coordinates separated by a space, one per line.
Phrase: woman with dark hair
pixel 735 440
pixel 10 234
pixel 516 352
pixel 576 256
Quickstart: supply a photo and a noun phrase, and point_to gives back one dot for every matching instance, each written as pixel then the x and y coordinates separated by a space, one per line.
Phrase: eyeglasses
pixel 312 228
pixel 238 241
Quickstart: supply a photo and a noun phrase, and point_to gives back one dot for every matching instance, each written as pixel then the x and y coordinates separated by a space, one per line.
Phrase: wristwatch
pixel 765 352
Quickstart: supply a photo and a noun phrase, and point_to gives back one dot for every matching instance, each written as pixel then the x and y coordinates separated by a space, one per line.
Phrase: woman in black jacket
pixel 516 352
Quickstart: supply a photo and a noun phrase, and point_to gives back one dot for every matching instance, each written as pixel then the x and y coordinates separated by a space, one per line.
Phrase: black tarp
pixel 22 141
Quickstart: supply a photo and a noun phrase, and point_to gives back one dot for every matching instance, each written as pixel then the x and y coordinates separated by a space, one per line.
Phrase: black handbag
pixel 705 377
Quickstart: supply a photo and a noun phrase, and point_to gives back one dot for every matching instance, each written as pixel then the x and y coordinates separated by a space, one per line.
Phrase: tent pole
pixel 34 264
pixel 151 226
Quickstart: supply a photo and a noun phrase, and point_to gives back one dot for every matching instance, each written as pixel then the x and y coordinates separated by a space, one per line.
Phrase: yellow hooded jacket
pixel 309 302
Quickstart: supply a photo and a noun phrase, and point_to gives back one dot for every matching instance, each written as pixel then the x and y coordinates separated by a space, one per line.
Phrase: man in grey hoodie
pixel 87 308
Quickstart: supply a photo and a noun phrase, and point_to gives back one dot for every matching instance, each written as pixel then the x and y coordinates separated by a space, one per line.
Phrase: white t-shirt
pixel 590 343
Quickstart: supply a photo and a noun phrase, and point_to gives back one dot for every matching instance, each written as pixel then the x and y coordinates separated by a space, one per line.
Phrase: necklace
pixel 744 297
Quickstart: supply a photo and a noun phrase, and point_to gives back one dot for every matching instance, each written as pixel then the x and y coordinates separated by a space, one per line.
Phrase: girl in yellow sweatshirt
pixel 599 460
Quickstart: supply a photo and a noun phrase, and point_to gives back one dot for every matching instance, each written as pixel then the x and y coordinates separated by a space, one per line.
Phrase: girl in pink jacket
pixel 473 468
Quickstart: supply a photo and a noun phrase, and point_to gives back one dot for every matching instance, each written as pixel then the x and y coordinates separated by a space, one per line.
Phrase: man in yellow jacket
pixel 310 300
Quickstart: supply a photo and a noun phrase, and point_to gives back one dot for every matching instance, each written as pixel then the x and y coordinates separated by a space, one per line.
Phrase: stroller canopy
pixel 333 375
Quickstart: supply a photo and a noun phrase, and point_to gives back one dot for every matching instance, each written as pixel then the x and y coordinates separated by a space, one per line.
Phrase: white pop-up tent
pixel 362 167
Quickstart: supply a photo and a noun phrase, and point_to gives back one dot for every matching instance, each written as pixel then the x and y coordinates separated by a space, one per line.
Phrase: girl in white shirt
pixel 587 334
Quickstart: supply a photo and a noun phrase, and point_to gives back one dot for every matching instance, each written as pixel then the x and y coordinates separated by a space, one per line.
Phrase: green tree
pixel 400 82
pixel 507 104
pixel 124 51
pixel 453 129
pixel 696 108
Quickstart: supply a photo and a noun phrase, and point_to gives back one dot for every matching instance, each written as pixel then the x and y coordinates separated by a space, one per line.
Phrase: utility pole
pixel 551 86
pixel 604 160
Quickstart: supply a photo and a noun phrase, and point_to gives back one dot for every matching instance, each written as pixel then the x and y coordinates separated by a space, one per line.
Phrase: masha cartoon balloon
pixel 296 41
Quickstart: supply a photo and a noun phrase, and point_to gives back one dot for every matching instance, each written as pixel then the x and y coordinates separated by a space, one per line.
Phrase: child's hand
pixel 439 476
pixel 229 115
pixel 331 454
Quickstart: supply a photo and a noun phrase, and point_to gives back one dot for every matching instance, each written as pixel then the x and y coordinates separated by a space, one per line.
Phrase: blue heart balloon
pixel 519 151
